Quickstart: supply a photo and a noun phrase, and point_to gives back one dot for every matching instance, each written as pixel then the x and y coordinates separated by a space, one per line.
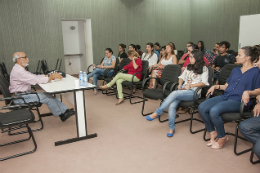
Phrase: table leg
pixel 81 122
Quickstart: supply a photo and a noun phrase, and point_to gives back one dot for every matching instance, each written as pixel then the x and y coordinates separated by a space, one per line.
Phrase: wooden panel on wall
pixel 217 20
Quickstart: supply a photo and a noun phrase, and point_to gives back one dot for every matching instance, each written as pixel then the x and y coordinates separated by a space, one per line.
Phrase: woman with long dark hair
pixel 149 55
pixel 202 47
pixel 195 75
pixel 241 80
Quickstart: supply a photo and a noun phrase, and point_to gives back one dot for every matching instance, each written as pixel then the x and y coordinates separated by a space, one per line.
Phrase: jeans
pixel 250 129
pixel 172 101
pixel 118 79
pixel 211 109
pixel 56 107
pixel 97 72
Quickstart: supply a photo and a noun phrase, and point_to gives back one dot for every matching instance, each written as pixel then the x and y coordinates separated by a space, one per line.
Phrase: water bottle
pixel 80 78
pixel 85 79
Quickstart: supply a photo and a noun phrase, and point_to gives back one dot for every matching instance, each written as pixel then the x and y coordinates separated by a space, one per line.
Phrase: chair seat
pixel 108 79
pixel 16 117
pixel 186 104
pixel 218 93
pixel 155 94
pixel 33 104
pixel 231 117
pixel 101 77
pixel 129 84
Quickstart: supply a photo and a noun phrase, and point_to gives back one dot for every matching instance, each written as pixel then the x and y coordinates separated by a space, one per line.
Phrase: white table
pixel 71 84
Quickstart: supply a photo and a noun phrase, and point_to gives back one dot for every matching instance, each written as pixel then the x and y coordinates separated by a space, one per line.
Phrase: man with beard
pixel 21 81
pixel 212 54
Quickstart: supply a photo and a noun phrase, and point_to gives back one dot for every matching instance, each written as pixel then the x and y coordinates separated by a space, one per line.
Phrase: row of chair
pixel 169 83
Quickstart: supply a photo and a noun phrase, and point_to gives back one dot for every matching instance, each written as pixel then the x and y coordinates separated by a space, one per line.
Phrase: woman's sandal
pixel 212 142
pixel 104 87
pixel 150 87
pixel 217 146
pixel 120 101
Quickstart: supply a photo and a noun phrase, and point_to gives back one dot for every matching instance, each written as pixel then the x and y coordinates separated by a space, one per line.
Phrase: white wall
pixel 249 30
pixel 89 45
pixel 74 43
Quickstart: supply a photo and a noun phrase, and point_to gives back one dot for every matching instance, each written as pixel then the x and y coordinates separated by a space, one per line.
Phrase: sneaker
pixel 67 114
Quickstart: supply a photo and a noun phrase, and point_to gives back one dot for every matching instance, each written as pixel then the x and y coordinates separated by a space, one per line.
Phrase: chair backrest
pixel 234 53
pixel 230 51
pixel 145 69
pixel 124 62
pixel 116 67
pixel 4 71
pixel 180 53
pixel 56 66
pixel 4 87
pixel 211 76
pixel 225 72
pixel 59 65
pixel 170 73
pixel 44 68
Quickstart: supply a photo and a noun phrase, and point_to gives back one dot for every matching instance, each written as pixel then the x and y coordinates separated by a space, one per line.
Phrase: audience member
pixel 21 81
pixel 132 47
pixel 175 51
pixel 121 54
pixel 157 47
pixel 108 62
pixel 212 54
pixel 240 80
pixel 185 55
pixel 150 56
pixel 187 61
pixel 201 47
pixel 138 49
pixel 223 59
pixel 162 53
pixel 135 66
pixel 194 76
pixel 169 58
pixel 250 128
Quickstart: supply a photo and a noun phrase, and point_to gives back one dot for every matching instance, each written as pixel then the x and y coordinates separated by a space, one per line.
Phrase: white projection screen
pixel 249 30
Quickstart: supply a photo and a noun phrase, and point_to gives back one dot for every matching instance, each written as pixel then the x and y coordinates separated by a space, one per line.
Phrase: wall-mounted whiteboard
pixel 249 30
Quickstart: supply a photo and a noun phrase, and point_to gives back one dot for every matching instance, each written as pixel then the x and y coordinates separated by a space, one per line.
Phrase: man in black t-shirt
pixel 223 59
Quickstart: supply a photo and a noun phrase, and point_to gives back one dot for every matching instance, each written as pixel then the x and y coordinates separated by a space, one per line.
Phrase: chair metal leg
pixel 24 153
pixel 252 158
pixel 131 96
pixel 235 144
pixel 192 119
pixel 144 100
pixel 204 136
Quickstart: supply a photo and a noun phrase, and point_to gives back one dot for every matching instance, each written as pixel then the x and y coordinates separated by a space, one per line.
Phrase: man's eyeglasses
pixel 24 57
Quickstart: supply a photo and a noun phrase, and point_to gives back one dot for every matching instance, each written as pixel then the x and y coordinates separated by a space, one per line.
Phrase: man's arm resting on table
pixel 53 76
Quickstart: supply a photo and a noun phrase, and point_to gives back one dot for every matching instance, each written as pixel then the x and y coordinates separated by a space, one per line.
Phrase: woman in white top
pixel 150 56
pixel 169 58
pixel 195 75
